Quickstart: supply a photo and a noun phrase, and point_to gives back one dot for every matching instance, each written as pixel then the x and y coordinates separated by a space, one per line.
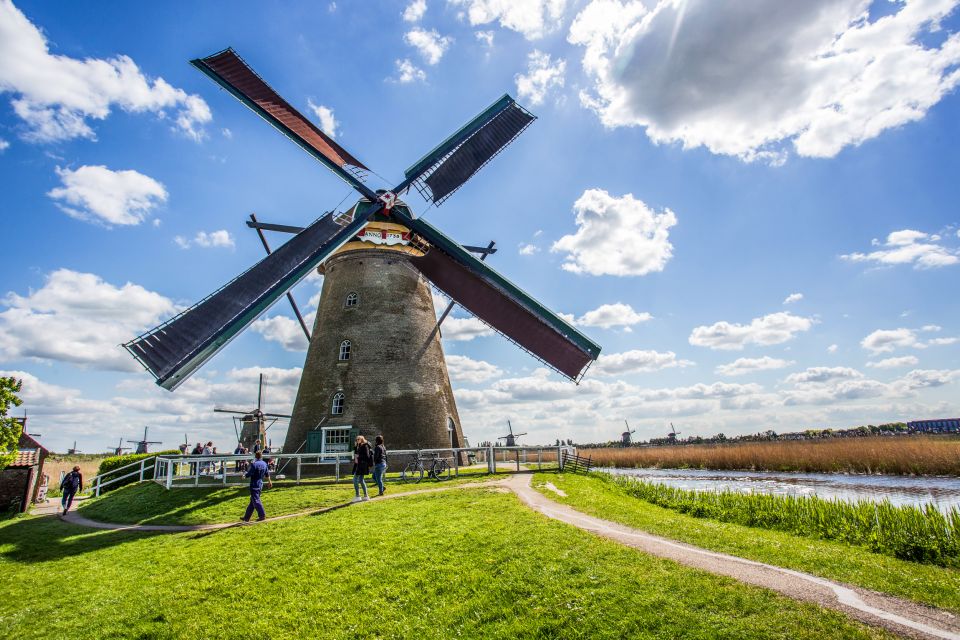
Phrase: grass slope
pixel 936 586
pixel 472 563
pixel 149 503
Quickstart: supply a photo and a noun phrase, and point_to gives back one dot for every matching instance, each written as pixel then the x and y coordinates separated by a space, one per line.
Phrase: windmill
pixel 374 362
pixel 143 445
pixel 253 422
pixel 119 449
pixel 672 436
pixel 626 437
pixel 74 451
pixel 511 437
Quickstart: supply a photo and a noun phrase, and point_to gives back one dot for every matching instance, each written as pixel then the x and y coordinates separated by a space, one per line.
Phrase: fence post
pixel 142 462
pixel 491 460
pixel 196 475
pixel 560 458
pixel 456 462
pixel 99 480
pixel 539 459
pixel 337 476
pixel 169 474
pixel 298 470
pixel 518 460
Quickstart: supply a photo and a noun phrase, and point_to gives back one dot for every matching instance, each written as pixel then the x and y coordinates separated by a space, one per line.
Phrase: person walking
pixel 362 461
pixel 379 464
pixel 71 483
pixel 258 472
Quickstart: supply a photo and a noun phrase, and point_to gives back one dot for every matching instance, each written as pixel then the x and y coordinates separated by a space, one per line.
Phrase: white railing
pixel 97 483
pixel 174 471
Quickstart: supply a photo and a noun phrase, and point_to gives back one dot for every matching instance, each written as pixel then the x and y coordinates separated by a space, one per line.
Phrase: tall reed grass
pixel 926 455
pixel 924 535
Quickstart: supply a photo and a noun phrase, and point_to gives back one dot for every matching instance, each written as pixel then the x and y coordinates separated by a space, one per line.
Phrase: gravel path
pixel 896 615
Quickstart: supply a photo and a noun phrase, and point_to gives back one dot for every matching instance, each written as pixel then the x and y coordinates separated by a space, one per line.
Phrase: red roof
pixel 26 458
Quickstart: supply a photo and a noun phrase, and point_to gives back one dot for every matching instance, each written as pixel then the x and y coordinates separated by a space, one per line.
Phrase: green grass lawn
pixel 932 585
pixel 149 503
pixel 470 563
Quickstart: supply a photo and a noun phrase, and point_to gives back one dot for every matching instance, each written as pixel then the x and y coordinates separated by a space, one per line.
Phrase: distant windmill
pixel 511 437
pixel 74 451
pixel 119 449
pixel 625 438
pixel 143 445
pixel 253 421
pixel 672 436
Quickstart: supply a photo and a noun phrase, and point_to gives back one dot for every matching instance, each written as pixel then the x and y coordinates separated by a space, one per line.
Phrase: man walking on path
pixel 71 483
pixel 257 472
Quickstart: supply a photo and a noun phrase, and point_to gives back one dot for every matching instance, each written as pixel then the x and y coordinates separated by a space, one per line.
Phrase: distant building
pixel 940 425
pixel 20 481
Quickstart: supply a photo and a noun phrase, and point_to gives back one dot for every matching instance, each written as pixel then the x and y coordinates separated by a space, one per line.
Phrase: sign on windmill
pixel 253 422
pixel 374 362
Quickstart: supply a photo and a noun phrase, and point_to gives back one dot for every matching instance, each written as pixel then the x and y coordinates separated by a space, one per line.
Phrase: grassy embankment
pixel 471 563
pixel 937 455
pixel 924 583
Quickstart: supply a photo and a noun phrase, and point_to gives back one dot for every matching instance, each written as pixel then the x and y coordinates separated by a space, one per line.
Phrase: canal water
pixel 944 492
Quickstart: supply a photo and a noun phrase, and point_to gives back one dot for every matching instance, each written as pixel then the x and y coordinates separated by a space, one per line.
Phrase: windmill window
pixel 337 408
pixel 344 350
pixel 352 299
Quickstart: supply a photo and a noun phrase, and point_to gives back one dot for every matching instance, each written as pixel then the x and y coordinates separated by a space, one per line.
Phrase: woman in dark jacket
pixel 379 464
pixel 362 461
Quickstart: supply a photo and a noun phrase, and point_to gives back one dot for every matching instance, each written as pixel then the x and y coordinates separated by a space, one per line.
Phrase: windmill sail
pixel 445 169
pixel 230 71
pixel 177 348
pixel 500 303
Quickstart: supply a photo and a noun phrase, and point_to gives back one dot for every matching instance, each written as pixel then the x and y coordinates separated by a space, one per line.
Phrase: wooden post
pixel 337 477
pixel 491 460
pixel 539 459
pixel 456 463
pixel 169 474
pixel 298 469
pixel 142 462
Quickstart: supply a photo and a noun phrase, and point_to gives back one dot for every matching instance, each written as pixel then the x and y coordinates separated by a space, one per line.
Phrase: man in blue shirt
pixel 257 472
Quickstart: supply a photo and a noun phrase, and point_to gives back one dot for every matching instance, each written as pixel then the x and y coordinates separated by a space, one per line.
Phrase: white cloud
pixel 925 378
pixel 98 194
pixel 893 363
pixel 774 328
pixel 4 145
pixel 939 342
pixel 793 297
pixel 753 79
pixel 213 239
pixel 608 316
pixel 931 328
pixel 543 75
pixel 408 72
pixel 820 375
pixel 79 318
pixel 886 340
pixel 909 247
pixel 285 331
pixel 616 236
pixel 527 249
pixel 415 10
pixel 226 133
pixel 464 369
pixel 531 18
pixel 328 124
pixel 464 329
pixel 832 348
pixel 743 366
pixel 56 95
pixel 484 37
pixel 430 44
pixel 636 361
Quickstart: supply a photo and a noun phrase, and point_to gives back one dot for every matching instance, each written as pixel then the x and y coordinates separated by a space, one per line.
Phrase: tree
pixel 10 428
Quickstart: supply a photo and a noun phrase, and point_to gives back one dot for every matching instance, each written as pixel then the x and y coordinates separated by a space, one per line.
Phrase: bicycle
pixel 439 469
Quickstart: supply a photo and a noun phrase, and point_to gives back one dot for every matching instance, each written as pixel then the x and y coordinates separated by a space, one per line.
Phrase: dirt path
pixel 896 615
pixel 893 614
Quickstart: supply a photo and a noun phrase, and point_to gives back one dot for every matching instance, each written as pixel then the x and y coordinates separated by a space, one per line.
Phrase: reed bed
pixel 904 455
pixel 924 535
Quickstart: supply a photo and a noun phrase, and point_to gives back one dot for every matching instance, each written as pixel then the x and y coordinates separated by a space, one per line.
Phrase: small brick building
pixel 20 481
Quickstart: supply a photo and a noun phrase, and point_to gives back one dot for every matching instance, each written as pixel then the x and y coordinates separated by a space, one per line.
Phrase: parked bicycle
pixel 437 468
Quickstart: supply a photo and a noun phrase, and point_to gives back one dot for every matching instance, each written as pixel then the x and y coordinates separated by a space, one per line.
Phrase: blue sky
pixel 751 208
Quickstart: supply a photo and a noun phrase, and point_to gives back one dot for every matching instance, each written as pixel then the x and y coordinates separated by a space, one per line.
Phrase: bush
pixel 115 462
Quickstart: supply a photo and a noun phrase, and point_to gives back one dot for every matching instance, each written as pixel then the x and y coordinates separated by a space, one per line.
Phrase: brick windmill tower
pixel 375 364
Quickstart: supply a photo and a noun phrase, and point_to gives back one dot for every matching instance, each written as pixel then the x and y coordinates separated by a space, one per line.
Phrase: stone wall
pixel 13 485
pixel 395 382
